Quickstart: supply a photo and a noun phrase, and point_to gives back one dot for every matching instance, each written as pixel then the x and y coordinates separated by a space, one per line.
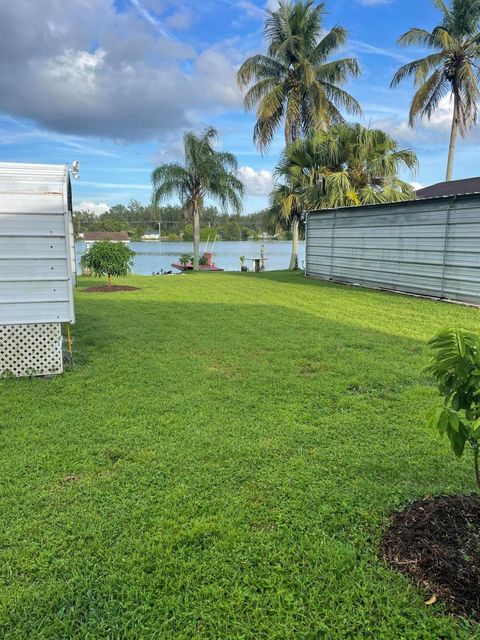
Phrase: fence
pixel 427 247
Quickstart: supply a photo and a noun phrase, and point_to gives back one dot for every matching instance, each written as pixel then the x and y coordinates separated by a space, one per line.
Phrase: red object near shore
pixel 189 267
pixel 210 266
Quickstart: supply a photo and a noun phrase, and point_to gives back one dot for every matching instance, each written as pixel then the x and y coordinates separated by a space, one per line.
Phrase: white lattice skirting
pixel 30 349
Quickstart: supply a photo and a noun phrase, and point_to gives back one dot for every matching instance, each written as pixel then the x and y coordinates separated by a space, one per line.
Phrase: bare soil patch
pixel 436 541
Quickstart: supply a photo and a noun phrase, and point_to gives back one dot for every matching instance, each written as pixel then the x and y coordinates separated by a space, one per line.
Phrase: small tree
pixel 456 369
pixel 108 259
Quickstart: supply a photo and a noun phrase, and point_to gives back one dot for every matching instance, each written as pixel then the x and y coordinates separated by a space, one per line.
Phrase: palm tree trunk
pixel 294 259
pixel 453 139
pixel 196 235
pixel 293 135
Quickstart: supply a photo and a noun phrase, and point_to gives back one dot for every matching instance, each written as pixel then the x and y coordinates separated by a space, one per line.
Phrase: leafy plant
pixel 243 259
pixel 451 67
pixel 203 261
pixel 456 369
pixel 185 258
pixel 206 173
pixel 108 259
pixel 298 83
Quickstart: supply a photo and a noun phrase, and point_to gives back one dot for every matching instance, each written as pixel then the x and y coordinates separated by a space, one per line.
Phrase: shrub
pixel 456 369
pixel 185 258
pixel 108 259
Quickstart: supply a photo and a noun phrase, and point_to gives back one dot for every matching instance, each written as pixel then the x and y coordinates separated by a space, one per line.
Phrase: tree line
pixel 174 224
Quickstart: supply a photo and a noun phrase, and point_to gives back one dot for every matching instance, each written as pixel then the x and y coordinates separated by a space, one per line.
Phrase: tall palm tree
pixel 206 173
pixel 451 68
pixel 347 165
pixel 296 83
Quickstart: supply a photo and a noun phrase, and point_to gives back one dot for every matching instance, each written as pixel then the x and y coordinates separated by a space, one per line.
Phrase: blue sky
pixel 115 83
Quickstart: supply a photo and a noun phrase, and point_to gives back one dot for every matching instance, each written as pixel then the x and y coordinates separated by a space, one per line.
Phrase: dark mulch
pixel 436 541
pixel 112 289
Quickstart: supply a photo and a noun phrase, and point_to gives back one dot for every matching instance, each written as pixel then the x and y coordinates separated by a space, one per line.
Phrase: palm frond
pixel 416 37
pixel 259 67
pixel 428 97
pixel 331 42
pixel 284 85
pixel 419 69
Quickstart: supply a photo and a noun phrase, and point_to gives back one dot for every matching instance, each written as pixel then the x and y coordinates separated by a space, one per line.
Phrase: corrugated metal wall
pixel 429 247
pixel 35 244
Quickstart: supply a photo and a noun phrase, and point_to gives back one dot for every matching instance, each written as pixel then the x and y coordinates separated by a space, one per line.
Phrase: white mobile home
pixel 37 266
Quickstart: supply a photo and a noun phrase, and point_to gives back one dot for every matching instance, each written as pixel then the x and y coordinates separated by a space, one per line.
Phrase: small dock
pixel 258 264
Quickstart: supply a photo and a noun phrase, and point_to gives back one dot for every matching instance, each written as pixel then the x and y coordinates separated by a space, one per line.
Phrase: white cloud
pixel 181 19
pixel 365 47
pixel 145 13
pixel 435 130
pixel 257 183
pixel 398 128
pixel 250 9
pixel 416 185
pixel 93 207
pixel 83 68
pixel 441 119
pixel 115 185
pixel 272 5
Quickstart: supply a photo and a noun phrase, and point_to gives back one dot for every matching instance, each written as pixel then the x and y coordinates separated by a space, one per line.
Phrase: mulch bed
pixel 112 289
pixel 436 541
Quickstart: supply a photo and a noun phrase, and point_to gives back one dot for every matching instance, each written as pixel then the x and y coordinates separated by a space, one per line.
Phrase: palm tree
pixel 285 210
pixel 206 173
pixel 450 68
pixel 297 83
pixel 347 165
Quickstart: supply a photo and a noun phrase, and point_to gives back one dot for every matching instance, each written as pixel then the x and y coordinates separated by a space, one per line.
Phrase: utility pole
pixel 157 211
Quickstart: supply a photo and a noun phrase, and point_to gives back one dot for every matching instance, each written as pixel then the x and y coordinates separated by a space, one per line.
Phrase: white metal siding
pixel 36 280
pixel 429 247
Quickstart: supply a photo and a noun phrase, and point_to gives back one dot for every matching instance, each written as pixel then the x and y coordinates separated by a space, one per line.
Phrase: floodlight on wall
pixel 76 169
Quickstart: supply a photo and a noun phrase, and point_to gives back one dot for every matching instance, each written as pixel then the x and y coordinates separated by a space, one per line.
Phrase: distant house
pixel 452 188
pixel 90 237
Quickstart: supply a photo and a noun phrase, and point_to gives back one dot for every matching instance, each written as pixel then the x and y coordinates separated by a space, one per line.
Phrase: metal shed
pixel 37 266
pixel 427 247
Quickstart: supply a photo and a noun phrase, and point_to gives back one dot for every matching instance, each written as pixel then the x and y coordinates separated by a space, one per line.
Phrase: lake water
pixel 151 257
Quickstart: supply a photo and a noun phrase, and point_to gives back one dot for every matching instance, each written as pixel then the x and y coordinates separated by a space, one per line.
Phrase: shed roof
pixel 34 188
pixel 452 188
pixel 113 236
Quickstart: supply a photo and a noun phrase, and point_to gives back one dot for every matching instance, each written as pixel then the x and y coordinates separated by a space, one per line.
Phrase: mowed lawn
pixel 220 464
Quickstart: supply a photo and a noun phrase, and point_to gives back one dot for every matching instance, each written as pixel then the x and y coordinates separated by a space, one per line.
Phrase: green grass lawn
pixel 220 464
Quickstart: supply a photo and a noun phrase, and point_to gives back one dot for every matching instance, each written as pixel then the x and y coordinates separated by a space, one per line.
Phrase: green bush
pixel 108 259
pixel 185 258
pixel 456 369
